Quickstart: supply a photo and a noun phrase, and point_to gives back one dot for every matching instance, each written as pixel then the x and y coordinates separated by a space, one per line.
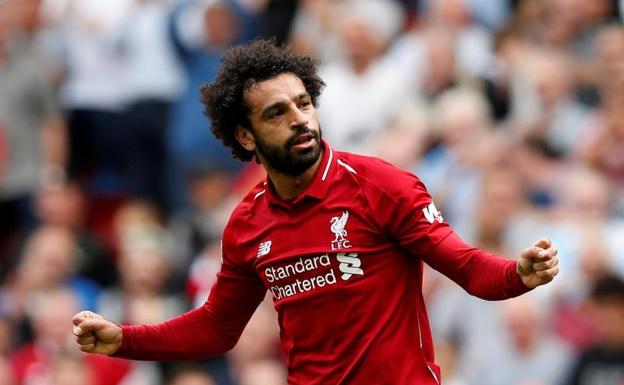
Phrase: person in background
pixel 33 131
pixel 362 90
pixel 48 359
pixel 47 261
pixel 65 205
pixel 528 352
pixel 155 79
pixel 603 363
pixel 199 50
pixel 191 375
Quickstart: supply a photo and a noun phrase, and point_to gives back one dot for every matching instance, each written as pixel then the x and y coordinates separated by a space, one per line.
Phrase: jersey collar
pixel 320 183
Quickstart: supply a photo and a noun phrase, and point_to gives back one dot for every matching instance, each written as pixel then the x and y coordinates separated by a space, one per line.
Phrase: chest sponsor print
pixel 306 274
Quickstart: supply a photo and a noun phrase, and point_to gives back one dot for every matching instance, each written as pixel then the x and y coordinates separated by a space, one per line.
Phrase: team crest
pixel 338 227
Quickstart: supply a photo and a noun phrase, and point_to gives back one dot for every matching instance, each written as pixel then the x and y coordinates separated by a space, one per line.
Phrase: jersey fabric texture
pixel 344 264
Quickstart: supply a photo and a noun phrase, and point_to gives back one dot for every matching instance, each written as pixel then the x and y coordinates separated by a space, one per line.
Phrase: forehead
pixel 286 86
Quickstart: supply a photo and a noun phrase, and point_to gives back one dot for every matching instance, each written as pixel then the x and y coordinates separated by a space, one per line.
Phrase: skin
pixel 279 108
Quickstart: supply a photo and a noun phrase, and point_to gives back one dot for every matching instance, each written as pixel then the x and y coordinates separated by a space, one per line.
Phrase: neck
pixel 288 187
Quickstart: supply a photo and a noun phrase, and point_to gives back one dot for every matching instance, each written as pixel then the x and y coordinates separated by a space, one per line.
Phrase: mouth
pixel 304 141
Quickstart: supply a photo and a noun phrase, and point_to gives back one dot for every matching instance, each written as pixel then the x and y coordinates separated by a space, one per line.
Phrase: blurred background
pixel 114 194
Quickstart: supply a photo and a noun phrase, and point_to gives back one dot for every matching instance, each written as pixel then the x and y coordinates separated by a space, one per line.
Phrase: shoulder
pixel 242 213
pixel 379 176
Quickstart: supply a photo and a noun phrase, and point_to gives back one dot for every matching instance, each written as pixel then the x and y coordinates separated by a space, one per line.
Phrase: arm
pixel 492 277
pixel 481 274
pixel 209 330
pixel 407 214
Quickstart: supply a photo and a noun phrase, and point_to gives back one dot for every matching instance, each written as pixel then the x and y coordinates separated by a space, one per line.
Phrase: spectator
pixel 362 92
pixel 191 376
pixel 45 360
pixel 32 128
pixel 64 205
pixel 529 354
pixel 82 34
pixel 190 141
pixel 193 228
pixel 549 110
pixel 47 262
pixel 604 362
pixel 154 81
pixel 407 136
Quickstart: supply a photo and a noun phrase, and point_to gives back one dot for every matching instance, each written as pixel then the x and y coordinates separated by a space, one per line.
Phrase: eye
pixel 305 104
pixel 275 113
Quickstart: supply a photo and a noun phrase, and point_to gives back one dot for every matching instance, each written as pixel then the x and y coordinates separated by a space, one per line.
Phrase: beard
pixel 287 161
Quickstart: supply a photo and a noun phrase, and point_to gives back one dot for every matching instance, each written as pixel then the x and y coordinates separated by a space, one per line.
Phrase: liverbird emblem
pixel 338 225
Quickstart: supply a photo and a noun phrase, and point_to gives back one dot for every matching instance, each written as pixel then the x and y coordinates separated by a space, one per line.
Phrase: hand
pixel 538 264
pixel 94 334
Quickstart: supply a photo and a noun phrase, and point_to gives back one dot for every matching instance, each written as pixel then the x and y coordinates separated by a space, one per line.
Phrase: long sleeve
pixel 481 274
pixel 209 330
pixel 407 214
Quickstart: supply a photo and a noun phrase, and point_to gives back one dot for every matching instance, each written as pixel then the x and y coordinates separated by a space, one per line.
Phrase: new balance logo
pixel 264 249
pixel 349 265
pixel 432 213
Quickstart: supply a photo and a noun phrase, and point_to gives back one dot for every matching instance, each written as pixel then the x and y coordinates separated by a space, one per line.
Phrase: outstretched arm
pixel 211 329
pixel 492 277
pixel 406 212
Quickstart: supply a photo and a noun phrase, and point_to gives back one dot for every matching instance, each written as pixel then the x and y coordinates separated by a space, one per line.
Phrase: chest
pixel 335 246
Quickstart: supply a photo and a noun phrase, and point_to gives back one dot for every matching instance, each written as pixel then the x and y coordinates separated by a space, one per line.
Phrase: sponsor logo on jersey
pixel 264 249
pixel 349 265
pixel 287 280
pixel 338 227
pixel 432 214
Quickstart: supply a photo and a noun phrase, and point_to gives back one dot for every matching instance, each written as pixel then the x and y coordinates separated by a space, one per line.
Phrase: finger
pixel 86 340
pixel 531 252
pixel 90 326
pixel 83 315
pixel 543 243
pixel 548 275
pixel 88 348
pixel 547 254
pixel 545 265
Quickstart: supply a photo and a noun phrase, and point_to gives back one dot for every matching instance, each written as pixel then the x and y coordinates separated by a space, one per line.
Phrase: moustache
pixel 303 130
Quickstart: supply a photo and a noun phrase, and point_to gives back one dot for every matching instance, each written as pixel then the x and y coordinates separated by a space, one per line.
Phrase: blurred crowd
pixel 114 194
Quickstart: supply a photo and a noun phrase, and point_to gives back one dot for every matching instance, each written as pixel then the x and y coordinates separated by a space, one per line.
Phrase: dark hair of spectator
pixel 608 288
pixel 241 67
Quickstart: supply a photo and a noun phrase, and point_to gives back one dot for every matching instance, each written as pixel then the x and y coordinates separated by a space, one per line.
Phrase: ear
pixel 245 138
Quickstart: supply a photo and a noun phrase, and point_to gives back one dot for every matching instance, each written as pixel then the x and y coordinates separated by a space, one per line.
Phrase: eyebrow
pixel 272 107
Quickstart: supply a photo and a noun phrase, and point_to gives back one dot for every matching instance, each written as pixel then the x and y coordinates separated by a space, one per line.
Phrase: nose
pixel 299 119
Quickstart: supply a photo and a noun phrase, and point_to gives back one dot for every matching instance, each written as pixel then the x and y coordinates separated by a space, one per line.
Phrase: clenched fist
pixel 538 264
pixel 94 334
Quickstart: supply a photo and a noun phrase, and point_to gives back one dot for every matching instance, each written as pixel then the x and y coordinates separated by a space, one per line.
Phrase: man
pixel 603 362
pixel 338 239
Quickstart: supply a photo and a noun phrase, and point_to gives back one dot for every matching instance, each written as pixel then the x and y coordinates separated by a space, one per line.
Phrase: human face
pixel 285 132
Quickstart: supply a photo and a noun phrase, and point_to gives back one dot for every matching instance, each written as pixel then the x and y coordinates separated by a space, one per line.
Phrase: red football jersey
pixel 344 263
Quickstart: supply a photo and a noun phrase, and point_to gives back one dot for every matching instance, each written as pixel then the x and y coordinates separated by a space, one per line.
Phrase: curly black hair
pixel 242 67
